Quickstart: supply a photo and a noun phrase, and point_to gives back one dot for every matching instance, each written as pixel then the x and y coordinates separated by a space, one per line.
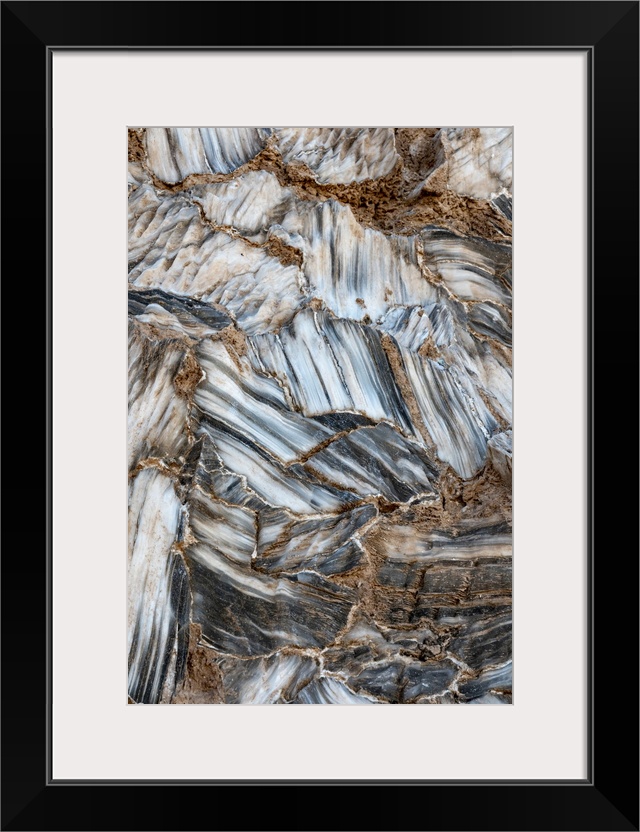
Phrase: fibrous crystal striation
pixel 320 437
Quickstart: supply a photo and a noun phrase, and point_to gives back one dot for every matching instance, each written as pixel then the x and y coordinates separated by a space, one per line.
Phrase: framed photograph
pixel 341 241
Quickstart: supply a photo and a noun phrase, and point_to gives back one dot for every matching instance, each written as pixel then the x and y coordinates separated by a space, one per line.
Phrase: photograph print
pixel 319 415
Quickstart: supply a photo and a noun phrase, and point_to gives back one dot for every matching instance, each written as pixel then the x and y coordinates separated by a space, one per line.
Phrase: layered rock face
pixel 320 429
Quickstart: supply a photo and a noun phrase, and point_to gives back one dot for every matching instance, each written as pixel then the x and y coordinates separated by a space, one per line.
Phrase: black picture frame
pixel 608 798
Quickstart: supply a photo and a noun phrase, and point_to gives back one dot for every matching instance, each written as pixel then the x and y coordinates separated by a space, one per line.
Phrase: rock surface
pixel 320 437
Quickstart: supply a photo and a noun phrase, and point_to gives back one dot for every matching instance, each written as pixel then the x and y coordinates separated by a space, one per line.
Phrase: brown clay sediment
pixel 137 151
pixel 202 684
pixel 188 377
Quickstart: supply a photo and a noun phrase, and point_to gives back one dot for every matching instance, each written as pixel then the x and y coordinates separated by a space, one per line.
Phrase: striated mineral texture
pixel 319 441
